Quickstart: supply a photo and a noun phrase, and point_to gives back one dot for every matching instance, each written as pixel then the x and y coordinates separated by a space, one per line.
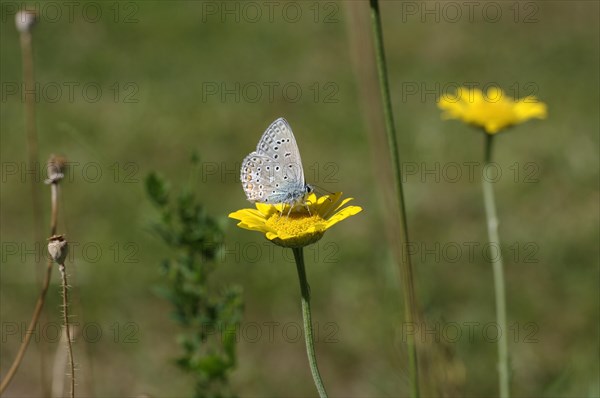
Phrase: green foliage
pixel 209 318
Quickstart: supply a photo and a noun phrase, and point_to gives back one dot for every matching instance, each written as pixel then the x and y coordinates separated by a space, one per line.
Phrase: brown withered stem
pixel 24 22
pixel 65 297
pixel 39 305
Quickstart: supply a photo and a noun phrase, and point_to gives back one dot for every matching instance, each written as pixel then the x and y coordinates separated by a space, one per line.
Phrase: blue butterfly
pixel 273 173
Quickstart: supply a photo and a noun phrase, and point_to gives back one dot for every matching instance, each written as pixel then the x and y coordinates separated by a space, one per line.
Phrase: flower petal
pixel 343 214
pixel 265 209
pixel 343 203
pixel 246 213
pixel 326 203
pixel 493 111
pixel 259 228
pixel 529 108
pixel 271 235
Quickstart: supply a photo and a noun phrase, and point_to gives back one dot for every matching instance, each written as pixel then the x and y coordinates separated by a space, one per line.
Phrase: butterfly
pixel 273 173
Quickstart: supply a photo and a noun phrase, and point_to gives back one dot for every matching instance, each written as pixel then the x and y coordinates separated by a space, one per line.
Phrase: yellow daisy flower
pixel 302 227
pixel 493 112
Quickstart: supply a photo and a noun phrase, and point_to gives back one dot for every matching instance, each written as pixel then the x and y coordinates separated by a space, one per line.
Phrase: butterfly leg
pixel 308 209
pixel 281 209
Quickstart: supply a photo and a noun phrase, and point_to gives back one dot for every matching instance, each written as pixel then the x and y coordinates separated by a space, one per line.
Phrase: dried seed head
pixel 55 167
pixel 25 20
pixel 58 248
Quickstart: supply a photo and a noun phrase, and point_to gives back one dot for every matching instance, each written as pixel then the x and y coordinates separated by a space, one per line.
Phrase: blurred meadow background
pixel 184 77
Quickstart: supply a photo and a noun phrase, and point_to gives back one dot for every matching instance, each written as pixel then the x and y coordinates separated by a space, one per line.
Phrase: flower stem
pixel 33 159
pixel 65 297
pixel 39 305
pixel 498 268
pixel 308 331
pixel 32 141
pixel 410 312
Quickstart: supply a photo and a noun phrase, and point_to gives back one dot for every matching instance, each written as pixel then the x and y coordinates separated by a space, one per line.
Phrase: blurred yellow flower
pixel 493 111
pixel 302 227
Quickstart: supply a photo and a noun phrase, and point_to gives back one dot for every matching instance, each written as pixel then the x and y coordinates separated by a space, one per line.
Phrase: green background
pixel 166 55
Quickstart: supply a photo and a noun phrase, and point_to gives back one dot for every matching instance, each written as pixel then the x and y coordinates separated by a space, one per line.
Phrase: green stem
pixel 308 331
pixel 406 266
pixel 498 268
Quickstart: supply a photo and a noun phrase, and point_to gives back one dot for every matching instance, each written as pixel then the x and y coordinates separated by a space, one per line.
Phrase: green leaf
pixel 157 189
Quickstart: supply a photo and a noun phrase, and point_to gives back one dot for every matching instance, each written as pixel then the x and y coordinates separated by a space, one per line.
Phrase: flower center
pixel 295 224
pixel 498 111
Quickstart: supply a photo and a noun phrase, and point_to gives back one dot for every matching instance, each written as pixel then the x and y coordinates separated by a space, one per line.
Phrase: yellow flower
pixel 302 227
pixel 493 112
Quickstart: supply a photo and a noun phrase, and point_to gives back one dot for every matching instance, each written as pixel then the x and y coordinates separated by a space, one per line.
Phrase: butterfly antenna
pixel 322 190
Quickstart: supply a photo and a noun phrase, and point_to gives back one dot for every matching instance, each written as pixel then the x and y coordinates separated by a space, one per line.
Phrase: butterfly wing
pixel 274 173
pixel 278 143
